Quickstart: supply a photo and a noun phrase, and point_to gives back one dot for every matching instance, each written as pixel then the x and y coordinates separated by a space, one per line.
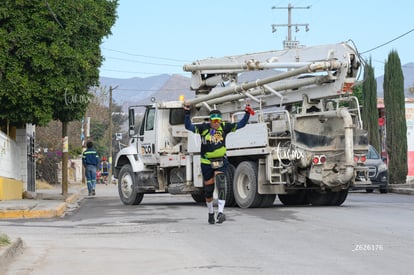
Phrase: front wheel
pixel 126 190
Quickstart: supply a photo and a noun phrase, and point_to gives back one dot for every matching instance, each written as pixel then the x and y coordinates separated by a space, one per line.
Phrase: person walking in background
pixel 104 167
pixel 90 160
pixel 213 155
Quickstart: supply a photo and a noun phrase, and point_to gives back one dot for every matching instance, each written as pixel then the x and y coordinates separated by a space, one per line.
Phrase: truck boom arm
pixel 319 72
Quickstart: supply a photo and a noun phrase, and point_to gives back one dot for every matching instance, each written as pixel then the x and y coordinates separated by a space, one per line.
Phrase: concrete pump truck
pixel 305 144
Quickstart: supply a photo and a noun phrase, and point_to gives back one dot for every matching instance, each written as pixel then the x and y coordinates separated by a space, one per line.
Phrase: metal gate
pixel 31 164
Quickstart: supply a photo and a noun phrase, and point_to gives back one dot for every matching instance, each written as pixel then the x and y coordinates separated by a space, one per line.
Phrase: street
pixel 167 234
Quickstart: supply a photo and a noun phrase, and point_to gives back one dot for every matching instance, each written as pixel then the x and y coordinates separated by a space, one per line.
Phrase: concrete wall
pixel 75 171
pixel 21 142
pixel 11 180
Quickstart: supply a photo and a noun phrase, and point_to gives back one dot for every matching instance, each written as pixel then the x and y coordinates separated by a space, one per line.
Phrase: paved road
pixel 369 234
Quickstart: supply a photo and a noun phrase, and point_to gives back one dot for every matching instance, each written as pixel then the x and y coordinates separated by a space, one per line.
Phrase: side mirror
pixel 131 120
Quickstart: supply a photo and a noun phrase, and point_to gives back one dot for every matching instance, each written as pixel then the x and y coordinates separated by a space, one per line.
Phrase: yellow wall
pixel 10 189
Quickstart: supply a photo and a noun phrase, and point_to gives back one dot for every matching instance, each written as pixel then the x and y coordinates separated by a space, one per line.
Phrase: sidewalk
pixel 45 203
pixel 407 189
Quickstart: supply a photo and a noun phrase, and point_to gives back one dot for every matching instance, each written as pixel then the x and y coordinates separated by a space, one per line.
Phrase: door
pixel 147 137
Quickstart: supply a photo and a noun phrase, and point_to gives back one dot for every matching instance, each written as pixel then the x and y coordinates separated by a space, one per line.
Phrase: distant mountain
pixel 134 90
pixel 408 72
pixel 161 87
pixel 172 89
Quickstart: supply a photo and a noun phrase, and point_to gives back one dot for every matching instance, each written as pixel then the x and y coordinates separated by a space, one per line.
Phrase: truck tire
pixel 245 185
pixel 319 198
pixel 230 201
pixel 126 190
pixel 339 197
pixel 298 198
pixel 268 200
pixel 198 197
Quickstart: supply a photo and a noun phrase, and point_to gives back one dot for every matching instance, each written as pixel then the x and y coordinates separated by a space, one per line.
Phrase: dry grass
pixel 4 240
pixel 40 184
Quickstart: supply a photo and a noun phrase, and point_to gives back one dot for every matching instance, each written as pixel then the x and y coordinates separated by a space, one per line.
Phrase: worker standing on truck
pixel 213 155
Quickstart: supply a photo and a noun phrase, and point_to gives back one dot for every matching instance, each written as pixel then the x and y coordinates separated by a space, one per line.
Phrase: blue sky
pixel 160 36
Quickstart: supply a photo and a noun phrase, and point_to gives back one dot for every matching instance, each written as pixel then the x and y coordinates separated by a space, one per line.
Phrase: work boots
pixel 221 217
pixel 211 218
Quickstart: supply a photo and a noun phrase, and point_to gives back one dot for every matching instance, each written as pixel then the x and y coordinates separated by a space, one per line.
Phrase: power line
pixel 142 62
pixel 132 72
pixel 146 56
pixel 149 90
pixel 392 40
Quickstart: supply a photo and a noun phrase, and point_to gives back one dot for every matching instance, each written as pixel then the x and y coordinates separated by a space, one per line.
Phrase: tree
pixel 396 127
pixel 49 136
pixel 49 57
pixel 370 110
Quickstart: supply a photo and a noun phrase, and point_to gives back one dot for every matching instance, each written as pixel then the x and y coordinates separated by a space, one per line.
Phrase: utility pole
pixel 289 43
pixel 110 134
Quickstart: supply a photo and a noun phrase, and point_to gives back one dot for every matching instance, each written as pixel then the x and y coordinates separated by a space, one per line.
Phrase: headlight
pixel 382 167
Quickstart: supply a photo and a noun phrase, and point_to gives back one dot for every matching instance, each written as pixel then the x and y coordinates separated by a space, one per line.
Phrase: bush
pixel 47 167
pixel 4 240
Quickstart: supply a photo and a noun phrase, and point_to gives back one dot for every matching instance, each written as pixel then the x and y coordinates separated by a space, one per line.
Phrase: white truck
pixel 304 144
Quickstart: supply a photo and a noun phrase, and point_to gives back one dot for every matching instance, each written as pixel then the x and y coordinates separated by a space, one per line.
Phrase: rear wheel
pixel 298 198
pixel 126 190
pixel 339 197
pixel 320 198
pixel 230 201
pixel 245 185
pixel 268 200
pixel 198 197
pixel 327 197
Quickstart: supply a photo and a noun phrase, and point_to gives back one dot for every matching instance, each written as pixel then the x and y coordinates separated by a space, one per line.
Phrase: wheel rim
pixel 126 185
pixel 243 185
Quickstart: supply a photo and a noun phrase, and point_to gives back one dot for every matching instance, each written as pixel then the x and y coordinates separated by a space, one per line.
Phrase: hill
pixel 408 72
pixel 138 90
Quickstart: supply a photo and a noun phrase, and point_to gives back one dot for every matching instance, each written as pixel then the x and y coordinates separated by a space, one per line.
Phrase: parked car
pixel 377 173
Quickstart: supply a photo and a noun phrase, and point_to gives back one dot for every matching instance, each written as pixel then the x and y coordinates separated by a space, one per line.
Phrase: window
pixel 149 122
pixel 372 153
pixel 177 116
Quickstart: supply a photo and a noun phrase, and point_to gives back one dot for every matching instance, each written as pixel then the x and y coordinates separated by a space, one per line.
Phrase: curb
pixel 39 213
pixel 72 198
pixel 9 253
pixel 32 213
pixel 405 191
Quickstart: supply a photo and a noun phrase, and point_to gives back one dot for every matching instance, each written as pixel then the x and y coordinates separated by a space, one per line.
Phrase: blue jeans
pixel 90 174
